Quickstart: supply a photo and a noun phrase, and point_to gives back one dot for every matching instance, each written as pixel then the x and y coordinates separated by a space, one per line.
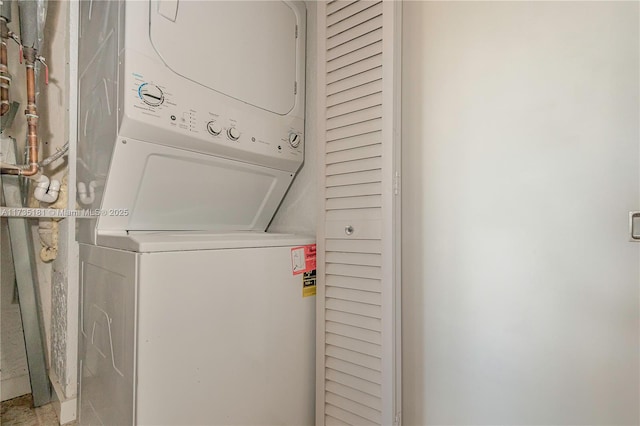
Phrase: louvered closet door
pixel 358 374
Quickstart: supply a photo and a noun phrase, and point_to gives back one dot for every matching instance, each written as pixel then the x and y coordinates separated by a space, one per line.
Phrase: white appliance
pixel 186 329
pixel 190 132
pixel 191 113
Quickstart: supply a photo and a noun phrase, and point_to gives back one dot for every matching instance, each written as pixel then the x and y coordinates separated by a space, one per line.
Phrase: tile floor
pixel 20 412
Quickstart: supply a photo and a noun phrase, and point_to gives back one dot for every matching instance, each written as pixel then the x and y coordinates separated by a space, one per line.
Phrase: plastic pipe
pixel 46 191
pixel 87 197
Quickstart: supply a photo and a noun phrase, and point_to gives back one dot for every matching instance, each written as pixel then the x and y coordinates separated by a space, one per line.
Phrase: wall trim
pixel 14 387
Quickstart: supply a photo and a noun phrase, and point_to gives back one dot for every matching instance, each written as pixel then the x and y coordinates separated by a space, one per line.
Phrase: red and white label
pixel 303 259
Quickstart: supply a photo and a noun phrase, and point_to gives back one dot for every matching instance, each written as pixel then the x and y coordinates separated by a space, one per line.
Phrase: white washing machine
pixel 196 329
pixel 191 130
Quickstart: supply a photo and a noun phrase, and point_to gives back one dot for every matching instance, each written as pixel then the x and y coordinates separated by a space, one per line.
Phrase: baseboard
pixel 14 387
pixel 65 408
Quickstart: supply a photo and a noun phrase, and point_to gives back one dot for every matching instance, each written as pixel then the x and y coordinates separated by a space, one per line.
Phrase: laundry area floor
pixel 20 411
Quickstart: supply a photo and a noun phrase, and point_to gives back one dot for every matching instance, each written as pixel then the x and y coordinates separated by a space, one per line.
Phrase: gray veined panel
pixel 355 283
pixel 354 308
pixel 353 394
pixel 368 151
pixel 348 258
pixel 364 386
pixel 354 407
pixel 355 20
pixel 332 421
pixel 354 166
pixel 368 297
pixel 355 56
pixel 354 202
pixel 356 271
pixel 354 69
pixel 354 117
pixel 336 5
pixel 355 81
pixel 354 370
pixel 355 44
pixel 21 245
pixel 368 176
pixel 347 416
pixel 354 332
pixel 354 129
pixel 354 190
pixel 355 105
pixel 360 246
pixel 354 320
pixel 354 214
pixel 356 92
pixel 347 12
pixel 355 345
pixel 358 31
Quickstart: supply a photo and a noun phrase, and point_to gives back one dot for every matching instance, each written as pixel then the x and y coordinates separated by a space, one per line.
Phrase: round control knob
pixel 214 128
pixel 151 94
pixel 233 133
pixel 294 140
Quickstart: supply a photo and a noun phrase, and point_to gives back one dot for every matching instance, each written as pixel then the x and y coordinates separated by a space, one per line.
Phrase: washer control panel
pixel 294 140
pixel 197 118
pixel 214 128
pixel 151 94
pixel 233 133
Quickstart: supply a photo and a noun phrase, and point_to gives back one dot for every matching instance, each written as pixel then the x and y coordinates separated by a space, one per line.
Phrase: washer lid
pixel 247 50
pixel 152 242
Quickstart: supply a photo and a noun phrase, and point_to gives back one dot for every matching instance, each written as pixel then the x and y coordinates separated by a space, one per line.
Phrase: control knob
pixel 294 140
pixel 233 133
pixel 214 128
pixel 151 94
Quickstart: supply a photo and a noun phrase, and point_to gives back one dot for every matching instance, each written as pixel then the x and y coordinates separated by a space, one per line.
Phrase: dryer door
pixel 247 50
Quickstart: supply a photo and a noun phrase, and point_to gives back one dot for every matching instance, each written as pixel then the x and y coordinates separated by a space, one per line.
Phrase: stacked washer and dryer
pixel 190 133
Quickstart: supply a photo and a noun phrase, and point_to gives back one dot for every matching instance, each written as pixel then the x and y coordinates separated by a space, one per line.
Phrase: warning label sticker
pixel 309 283
pixel 303 259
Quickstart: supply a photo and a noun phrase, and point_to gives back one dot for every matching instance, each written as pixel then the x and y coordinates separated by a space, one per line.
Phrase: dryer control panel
pixel 162 107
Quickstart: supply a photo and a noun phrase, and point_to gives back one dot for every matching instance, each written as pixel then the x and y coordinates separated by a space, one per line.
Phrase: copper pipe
pixel 31 168
pixel 4 82
pixel 5 77
pixel 32 116
pixel 10 171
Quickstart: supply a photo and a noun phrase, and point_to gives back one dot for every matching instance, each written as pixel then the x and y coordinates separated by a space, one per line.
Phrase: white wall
pixel 297 213
pixel 520 164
